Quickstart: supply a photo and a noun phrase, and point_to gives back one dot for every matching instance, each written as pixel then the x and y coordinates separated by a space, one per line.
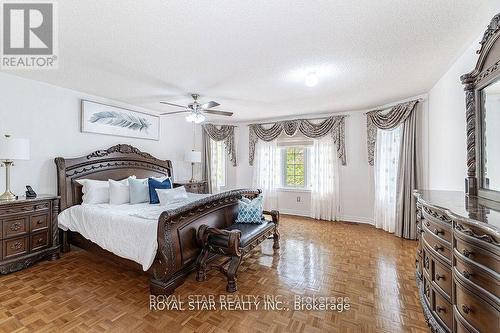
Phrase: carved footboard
pixel 177 244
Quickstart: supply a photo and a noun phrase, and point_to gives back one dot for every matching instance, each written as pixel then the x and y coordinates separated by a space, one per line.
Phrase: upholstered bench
pixel 234 242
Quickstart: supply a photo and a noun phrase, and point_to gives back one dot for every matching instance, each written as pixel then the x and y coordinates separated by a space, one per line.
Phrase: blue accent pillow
pixel 250 211
pixel 155 184
pixel 139 190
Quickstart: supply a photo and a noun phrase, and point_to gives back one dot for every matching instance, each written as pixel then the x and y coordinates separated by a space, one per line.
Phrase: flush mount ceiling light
pixel 311 79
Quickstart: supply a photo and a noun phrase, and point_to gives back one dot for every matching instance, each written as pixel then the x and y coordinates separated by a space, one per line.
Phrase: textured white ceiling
pixel 251 55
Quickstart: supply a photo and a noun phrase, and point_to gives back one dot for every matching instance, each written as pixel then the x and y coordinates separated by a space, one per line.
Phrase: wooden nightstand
pixel 195 187
pixel 28 232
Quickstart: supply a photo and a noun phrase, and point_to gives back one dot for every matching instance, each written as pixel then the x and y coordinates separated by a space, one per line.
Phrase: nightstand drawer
pixel 39 241
pixel 443 309
pixel 14 247
pixel 38 222
pixel 15 226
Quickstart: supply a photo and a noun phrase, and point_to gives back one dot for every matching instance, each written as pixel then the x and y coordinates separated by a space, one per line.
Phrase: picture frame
pixel 113 120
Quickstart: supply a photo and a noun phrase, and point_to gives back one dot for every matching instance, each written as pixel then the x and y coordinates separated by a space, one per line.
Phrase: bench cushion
pixel 249 231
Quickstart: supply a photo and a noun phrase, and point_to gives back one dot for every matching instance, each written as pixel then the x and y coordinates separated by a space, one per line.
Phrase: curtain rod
pixel 392 105
pixel 278 121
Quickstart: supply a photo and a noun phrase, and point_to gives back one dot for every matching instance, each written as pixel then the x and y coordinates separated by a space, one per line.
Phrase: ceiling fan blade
pixel 172 104
pixel 174 112
pixel 209 105
pixel 220 113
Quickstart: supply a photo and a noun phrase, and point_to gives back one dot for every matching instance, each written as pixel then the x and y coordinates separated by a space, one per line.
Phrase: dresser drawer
pixel 25 208
pixel 15 226
pixel 477 312
pixel 459 326
pixel 442 277
pixel 39 222
pixel 443 309
pixel 437 247
pixel 39 240
pixel 439 229
pixel 15 246
pixel 476 254
pixel 477 275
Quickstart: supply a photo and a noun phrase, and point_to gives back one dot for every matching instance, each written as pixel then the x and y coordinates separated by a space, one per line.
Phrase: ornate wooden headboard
pixel 117 162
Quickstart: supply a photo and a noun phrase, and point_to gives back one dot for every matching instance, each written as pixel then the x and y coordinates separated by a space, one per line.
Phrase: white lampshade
pixel 14 149
pixel 193 156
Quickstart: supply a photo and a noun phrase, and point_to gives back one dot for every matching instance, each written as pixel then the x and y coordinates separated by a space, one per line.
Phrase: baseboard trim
pixel 357 219
pixel 295 212
pixel 343 218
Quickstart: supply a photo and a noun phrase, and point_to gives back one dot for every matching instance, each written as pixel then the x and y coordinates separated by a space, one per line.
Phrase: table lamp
pixel 193 157
pixel 12 149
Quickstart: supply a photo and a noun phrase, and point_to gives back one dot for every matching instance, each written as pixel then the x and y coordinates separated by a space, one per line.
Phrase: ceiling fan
pixel 196 109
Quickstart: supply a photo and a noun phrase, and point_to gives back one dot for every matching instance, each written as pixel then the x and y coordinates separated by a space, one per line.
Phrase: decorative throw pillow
pixel 154 185
pixel 173 195
pixel 119 192
pixel 139 190
pixel 250 211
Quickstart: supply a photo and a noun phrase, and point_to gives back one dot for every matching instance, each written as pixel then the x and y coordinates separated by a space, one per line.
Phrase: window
pixel 294 167
pixel 219 162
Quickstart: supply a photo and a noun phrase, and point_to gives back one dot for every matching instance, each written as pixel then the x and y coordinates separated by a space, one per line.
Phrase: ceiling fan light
pixel 199 118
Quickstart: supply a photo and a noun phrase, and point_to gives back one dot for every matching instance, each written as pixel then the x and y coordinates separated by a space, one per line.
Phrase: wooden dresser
pixel 194 187
pixel 458 261
pixel 28 232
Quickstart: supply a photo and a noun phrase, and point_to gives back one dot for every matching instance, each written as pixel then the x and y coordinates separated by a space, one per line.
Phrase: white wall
pixel 49 117
pixel 446 123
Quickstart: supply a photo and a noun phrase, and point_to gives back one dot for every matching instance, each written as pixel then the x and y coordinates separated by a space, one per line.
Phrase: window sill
pixel 293 189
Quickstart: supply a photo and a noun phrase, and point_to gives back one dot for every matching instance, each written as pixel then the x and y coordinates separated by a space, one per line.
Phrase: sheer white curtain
pixel 386 165
pixel 324 180
pixel 267 172
pixel 217 164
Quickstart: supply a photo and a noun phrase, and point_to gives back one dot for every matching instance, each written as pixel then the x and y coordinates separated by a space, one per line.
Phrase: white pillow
pixel 119 192
pixel 95 191
pixel 171 195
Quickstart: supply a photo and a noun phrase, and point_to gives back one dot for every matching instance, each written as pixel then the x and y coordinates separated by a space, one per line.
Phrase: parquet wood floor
pixel 82 293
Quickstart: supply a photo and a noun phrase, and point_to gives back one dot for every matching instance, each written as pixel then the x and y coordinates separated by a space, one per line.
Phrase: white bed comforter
pixel 128 231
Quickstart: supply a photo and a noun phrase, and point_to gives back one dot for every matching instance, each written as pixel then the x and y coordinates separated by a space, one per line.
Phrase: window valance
pixel 385 120
pixel 223 133
pixel 334 125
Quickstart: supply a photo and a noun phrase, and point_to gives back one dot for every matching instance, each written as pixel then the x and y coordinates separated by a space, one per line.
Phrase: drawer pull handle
pixel 466 253
pixel 39 222
pixel 437 232
pixel 439 277
pixel 438 248
pixel 39 241
pixel 427 223
pixel 15 226
pixel 439 309
pixel 16 246
pixel 466 274
pixel 466 309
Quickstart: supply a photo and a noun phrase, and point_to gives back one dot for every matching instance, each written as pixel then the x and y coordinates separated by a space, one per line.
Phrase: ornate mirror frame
pixel 487 70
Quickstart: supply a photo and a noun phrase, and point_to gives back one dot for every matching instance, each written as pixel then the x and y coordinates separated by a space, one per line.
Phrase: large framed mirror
pixel 489 172
pixel 482 98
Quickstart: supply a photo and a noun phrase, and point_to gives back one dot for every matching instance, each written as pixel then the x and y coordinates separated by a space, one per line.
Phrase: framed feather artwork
pixel 112 120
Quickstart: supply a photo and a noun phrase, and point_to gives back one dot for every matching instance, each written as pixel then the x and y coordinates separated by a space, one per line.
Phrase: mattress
pixel 129 231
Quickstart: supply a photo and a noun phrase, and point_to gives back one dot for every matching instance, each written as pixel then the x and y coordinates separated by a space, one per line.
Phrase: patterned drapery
pixel 379 119
pixel 334 125
pixel 223 133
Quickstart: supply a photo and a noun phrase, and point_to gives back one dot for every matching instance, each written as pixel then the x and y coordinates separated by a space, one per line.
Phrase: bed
pixel 173 254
